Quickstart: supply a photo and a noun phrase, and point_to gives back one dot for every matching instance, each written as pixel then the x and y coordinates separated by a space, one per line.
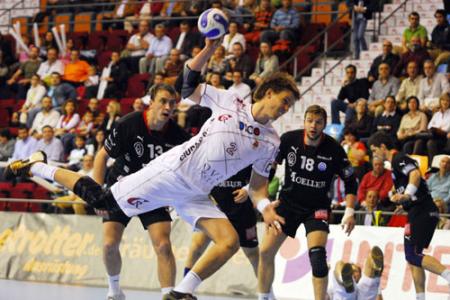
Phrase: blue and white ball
pixel 213 23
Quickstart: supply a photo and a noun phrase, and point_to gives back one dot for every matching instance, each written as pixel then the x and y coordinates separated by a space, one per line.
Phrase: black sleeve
pixel 404 164
pixel 113 143
pixel 364 83
pixel 282 153
pixel 374 68
pixel 345 171
pixel 342 93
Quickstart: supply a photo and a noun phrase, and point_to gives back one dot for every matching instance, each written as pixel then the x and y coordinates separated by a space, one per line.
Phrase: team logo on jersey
pixel 136 202
pixel 322 166
pixel 291 159
pixel 249 129
pixel 348 171
pixel 231 149
pixel 239 103
pixel 139 148
pixel 224 118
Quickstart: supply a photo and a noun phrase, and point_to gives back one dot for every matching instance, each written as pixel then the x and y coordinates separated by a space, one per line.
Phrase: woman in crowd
pixel 412 124
pixel 266 65
pixel 112 115
pixel 68 121
pixel 217 63
pixel 32 103
pixel 439 127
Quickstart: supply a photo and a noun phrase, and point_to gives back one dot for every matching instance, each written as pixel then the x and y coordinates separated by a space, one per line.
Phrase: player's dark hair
pixel 440 12
pixel 277 82
pixel 5 133
pixel 317 110
pixel 379 138
pixel 161 87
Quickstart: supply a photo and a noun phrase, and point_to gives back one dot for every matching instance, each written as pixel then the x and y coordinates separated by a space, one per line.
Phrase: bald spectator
pixel 50 66
pixel 386 85
pixel 414 29
pixel 439 183
pixel 52 146
pixel 386 57
pixel 416 52
pixel 378 179
pixel 410 85
pixel 432 86
pixel 157 52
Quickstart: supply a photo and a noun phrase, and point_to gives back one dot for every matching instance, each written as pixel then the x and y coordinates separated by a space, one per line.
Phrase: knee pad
pixel 90 191
pixel 318 259
pixel 413 256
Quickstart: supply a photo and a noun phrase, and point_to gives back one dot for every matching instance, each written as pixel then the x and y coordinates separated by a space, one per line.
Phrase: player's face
pixel 314 126
pixel 279 103
pixel 163 106
pixel 378 151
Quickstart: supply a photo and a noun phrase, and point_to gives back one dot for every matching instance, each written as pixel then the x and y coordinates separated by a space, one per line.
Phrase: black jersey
pixel 134 145
pixel 309 171
pixel 402 165
pixel 223 193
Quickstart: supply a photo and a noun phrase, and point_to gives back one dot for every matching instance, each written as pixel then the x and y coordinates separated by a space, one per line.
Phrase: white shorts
pixel 366 289
pixel 156 186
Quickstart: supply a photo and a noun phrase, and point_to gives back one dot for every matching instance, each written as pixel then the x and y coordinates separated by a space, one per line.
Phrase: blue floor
pixel 26 290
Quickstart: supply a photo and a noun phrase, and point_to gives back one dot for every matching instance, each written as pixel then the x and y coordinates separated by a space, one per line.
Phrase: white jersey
pixel 229 141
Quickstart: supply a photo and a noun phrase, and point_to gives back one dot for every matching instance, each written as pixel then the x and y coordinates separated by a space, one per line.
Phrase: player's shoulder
pixel 132 119
pixel 328 142
pixel 292 136
pixel 401 159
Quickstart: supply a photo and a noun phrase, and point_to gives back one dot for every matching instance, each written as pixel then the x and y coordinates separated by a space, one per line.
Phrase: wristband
pixel 411 190
pixel 262 204
pixel 349 211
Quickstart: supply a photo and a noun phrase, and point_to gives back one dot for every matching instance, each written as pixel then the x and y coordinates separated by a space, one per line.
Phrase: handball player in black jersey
pixel 411 192
pixel 312 159
pixel 137 139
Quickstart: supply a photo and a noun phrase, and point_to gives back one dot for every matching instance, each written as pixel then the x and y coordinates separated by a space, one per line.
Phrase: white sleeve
pixel 263 165
pixel 216 99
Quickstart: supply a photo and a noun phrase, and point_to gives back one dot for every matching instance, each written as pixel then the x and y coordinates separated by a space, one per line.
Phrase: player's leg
pixel 266 267
pixel 317 241
pixel 342 285
pixel 160 236
pixel 253 257
pixel 369 284
pixel 112 236
pixel 199 243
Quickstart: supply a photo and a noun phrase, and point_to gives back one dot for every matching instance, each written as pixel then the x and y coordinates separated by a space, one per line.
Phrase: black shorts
pixel 148 218
pixel 313 220
pixel 244 222
pixel 422 222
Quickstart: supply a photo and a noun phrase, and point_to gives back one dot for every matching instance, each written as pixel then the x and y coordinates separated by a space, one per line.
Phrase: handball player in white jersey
pixel 238 134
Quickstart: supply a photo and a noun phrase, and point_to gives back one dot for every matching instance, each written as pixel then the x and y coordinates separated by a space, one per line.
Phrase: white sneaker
pixel 120 296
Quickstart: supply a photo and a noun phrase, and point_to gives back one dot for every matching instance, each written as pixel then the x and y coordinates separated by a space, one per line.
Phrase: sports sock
pixel 420 296
pixel 446 275
pixel 263 296
pixel 44 171
pixel 189 283
pixel 114 286
pixel 271 295
pixel 166 290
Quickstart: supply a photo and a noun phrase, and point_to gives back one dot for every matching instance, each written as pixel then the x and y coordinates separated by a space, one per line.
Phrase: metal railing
pixel 381 22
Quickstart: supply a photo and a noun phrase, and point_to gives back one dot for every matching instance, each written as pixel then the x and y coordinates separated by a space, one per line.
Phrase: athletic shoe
pixel 377 258
pixel 173 295
pixel 22 167
pixel 120 296
pixel 347 278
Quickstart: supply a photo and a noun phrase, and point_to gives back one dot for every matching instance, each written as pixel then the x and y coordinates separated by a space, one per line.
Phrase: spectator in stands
pixel 412 124
pixel 439 182
pixel 187 39
pixel 76 155
pixel 352 89
pixel 51 145
pixel 138 105
pixel 91 83
pixel 172 66
pixel 263 15
pixel 217 62
pixel 6 50
pixel 362 13
pixel 266 64
pixel 386 57
pixel 216 80
pixel 69 119
pixel 414 29
pixel 379 179
pixel 241 89
pixel 239 61
pixel 50 66
pixel 76 71
pixel 117 79
pixel 32 103
pixel 46 117
pixel 137 46
pixel 440 38
pixel 21 79
pixel 5 92
pixel 47 43
pixel 356 152
pixel 361 123
pixel 173 9
pixel 284 24
pixel 157 52
pixel 444 222
pixel 232 37
pixel 385 86
pixel 112 115
pixel 416 52
pixel 389 120
pixel 60 92
pixel 372 207
pixel 6 144
pixel 439 126
pixel 25 144
pixel 93 107
pixel 97 143
pixel 409 86
pixel 432 86
pixel 245 7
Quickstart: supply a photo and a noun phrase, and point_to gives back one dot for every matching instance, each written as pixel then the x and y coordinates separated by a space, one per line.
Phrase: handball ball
pixel 213 23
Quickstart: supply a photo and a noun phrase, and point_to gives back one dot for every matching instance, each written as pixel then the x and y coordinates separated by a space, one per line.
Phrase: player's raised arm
pixel 188 83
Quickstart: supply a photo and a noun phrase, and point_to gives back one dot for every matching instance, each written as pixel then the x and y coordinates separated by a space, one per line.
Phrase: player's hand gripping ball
pixel 213 23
